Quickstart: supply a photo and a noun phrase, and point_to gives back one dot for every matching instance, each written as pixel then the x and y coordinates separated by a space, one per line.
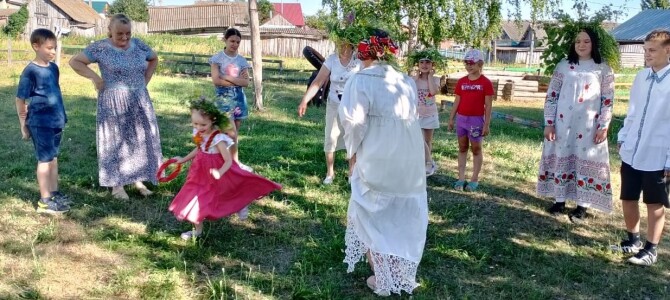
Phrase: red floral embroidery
pixel 570 177
pixel 599 187
pixel 580 182
pixel 564 176
pixel 581 99
pixel 553 94
pixel 579 136
pixel 586 87
pixel 607 102
pixel 608 186
pixel 590 180
pixel 556 180
pixel 560 116
pixel 572 67
pixel 550 122
pixel 543 178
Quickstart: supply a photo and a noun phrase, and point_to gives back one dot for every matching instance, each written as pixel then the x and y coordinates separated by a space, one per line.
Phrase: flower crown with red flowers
pixel 379 46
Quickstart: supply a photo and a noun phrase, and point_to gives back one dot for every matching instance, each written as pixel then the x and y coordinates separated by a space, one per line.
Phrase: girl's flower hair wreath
pixel 428 53
pixel 209 109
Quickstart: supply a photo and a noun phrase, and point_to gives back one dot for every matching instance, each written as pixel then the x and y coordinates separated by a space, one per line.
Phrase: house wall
pixel 632 55
pixel 44 15
pixel 518 56
pixel 289 46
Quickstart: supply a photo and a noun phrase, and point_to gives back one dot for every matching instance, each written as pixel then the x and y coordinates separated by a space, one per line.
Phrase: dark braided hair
pixel 208 109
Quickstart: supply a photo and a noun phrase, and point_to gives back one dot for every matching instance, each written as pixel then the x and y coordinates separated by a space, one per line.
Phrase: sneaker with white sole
pixel 627 247
pixel 643 258
pixel 50 206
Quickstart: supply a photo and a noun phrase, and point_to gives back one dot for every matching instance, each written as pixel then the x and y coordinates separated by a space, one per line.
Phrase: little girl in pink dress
pixel 216 186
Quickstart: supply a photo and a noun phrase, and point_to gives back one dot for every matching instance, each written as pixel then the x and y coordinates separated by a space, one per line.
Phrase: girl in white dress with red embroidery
pixel 216 186
pixel 575 155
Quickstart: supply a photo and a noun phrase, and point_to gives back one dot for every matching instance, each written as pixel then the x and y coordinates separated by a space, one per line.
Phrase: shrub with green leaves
pixel 16 23
pixel 562 34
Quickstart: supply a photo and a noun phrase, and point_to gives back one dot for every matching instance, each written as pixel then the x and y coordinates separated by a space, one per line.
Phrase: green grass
pixel 494 244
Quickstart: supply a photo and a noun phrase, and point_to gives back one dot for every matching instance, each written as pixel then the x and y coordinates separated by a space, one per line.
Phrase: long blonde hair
pixel 120 18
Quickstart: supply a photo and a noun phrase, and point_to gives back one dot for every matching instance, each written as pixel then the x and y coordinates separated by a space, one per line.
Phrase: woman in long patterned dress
pixel 127 135
pixel 387 217
pixel 577 112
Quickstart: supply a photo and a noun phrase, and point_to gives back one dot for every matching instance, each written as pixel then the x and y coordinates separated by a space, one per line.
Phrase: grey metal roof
pixel 637 27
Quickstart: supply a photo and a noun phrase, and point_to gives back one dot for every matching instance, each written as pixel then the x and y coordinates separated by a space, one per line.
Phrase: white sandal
pixel 191 234
pixel 120 194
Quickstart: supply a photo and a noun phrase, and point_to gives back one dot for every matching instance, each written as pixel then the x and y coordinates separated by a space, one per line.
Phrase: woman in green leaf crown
pixel 427 87
pixel 337 68
pixel 577 113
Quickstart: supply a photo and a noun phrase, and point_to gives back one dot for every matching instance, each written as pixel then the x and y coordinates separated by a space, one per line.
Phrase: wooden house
pixel 72 15
pixel 631 34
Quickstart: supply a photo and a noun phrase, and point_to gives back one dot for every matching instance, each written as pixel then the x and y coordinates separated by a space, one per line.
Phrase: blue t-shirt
pixel 229 65
pixel 39 86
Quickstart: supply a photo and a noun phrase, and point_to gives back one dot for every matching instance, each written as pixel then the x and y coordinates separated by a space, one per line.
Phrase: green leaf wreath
pixel 413 58
pixel 561 35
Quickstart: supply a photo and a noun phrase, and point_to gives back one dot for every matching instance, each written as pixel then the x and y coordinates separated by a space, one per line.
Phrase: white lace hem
pixel 393 274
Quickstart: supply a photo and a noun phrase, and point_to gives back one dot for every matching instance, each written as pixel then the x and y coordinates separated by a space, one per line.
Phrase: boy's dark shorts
pixel 46 141
pixel 652 184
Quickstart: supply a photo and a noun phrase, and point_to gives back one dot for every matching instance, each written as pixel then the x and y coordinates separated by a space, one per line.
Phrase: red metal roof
pixel 291 12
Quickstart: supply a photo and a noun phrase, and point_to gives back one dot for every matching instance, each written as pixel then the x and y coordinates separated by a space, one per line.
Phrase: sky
pixel 631 7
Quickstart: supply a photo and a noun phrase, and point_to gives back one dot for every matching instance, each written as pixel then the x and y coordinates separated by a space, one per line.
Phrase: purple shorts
pixel 470 126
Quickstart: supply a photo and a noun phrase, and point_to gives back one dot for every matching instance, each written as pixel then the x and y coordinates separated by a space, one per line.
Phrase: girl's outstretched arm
pixel 227 158
pixel 191 155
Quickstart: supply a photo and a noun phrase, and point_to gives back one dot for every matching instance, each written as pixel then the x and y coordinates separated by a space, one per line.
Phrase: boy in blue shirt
pixel 644 146
pixel 43 118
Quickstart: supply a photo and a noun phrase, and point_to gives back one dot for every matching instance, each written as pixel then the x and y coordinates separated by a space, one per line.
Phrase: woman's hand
pixel 302 108
pixel 99 84
pixel 352 163
pixel 451 125
pixel 550 133
pixel 180 160
pixel 601 136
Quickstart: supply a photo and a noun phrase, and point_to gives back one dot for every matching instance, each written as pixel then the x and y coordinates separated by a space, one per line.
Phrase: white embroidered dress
pixel 579 102
pixel 388 211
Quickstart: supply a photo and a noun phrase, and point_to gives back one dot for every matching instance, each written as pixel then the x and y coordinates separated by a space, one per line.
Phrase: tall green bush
pixel 16 23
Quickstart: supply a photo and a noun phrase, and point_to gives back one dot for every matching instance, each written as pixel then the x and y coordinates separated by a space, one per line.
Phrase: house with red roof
pixel 292 12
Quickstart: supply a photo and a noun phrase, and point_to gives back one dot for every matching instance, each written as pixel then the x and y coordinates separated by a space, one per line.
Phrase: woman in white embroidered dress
pixel 577 112
pixel 387 216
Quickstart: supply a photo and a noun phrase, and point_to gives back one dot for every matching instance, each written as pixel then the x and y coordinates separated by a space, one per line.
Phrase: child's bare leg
pixel 198 228
pixel 428 139
pixel 233 148
pixel 655 222
pixel 463 144
pixel 53 175
pixel 369 257
pixel 631 215
pixel 44 178
pixel 477 160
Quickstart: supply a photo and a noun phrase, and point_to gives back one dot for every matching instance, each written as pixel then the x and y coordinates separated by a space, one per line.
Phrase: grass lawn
pixel 497 243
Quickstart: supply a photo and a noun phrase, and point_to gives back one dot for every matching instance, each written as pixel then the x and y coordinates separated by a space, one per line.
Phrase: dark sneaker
pixel 51 207
pixel 62 199
pixel 557 208
pixel 643 258
pixel 578 215
pixel 627 247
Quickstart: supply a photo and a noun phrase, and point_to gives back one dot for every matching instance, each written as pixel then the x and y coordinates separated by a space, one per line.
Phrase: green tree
pixel 16 23
pixel 265 10
pixel 654 4
pixel 136 10
pixel 320 20
pixel 429 22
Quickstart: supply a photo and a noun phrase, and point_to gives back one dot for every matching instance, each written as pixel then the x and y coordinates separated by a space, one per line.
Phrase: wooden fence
pixel 287 46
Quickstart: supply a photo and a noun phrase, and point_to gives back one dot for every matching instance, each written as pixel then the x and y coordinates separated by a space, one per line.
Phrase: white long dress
pixel 388 210
pixel 579 102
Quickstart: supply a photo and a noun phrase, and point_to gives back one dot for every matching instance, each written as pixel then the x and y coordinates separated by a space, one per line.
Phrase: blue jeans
pixel 231 100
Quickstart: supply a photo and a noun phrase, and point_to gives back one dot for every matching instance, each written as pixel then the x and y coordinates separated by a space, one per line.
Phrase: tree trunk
pixel 256 54
pixel 413 24
pixel 531 53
